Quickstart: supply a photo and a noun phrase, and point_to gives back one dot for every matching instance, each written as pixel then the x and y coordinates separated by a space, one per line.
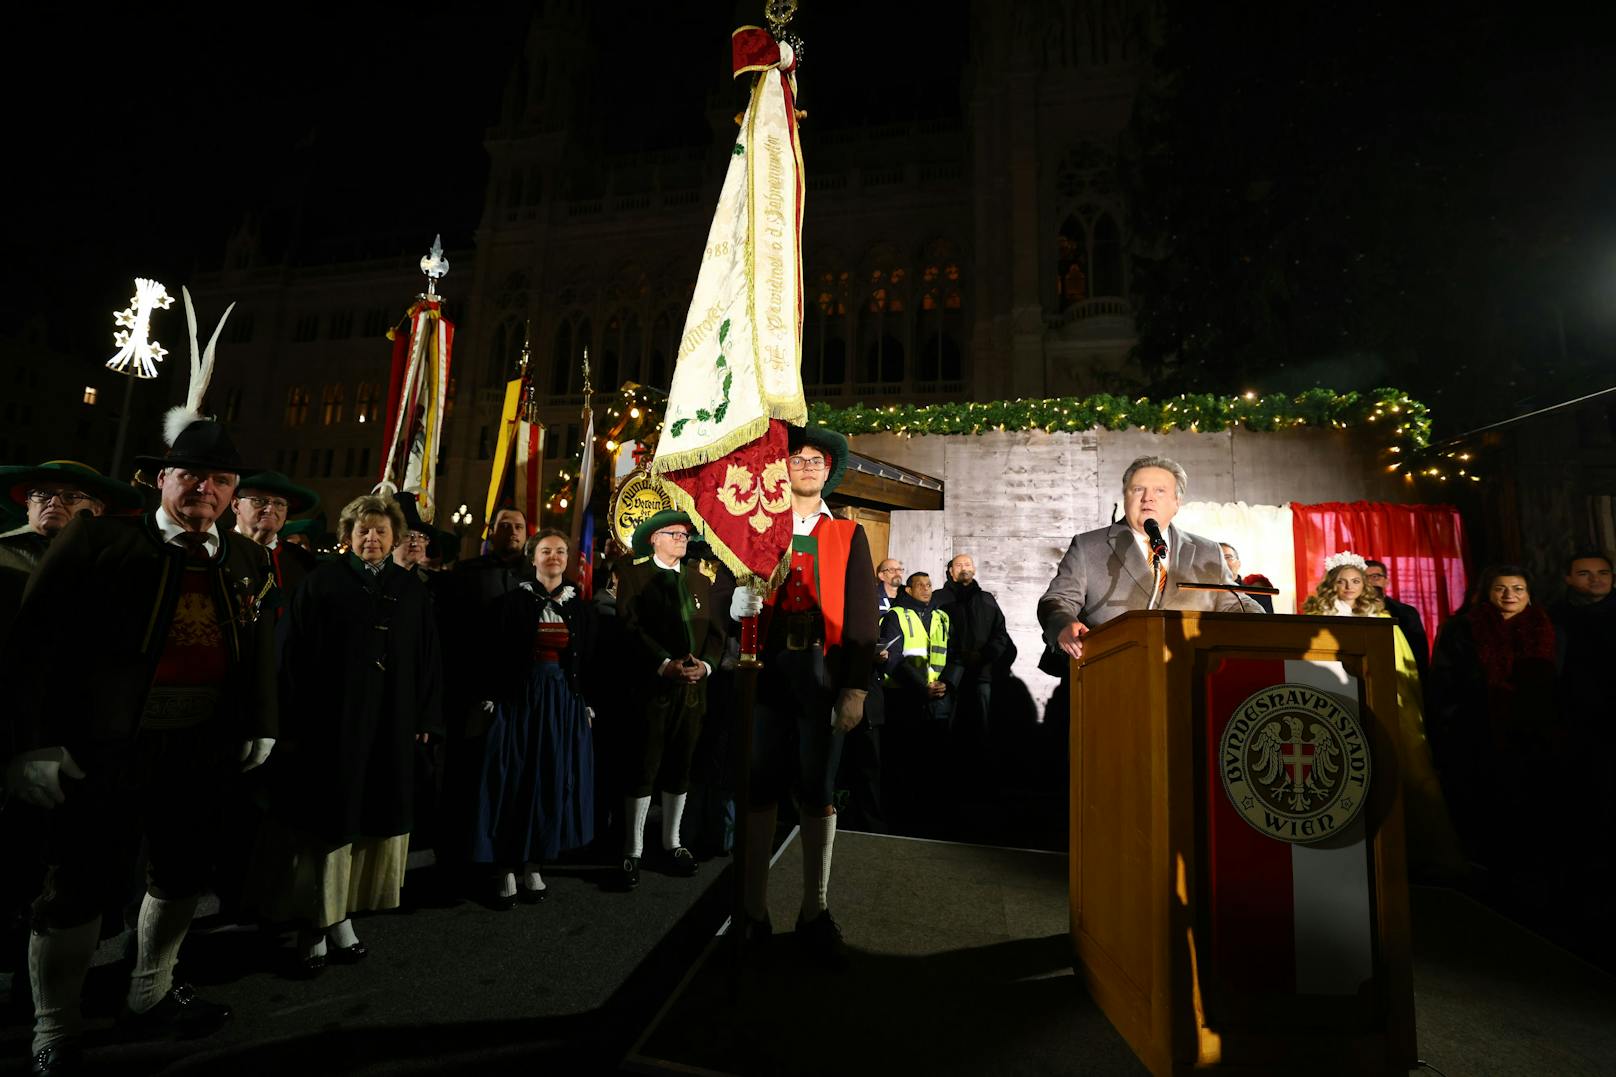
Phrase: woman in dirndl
pixel 535 798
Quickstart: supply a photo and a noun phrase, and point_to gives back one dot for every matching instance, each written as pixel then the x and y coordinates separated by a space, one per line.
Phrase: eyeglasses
pixel 677 536
pixel 809 463
pixel 266 502
pixel 415 538
pixel 67 497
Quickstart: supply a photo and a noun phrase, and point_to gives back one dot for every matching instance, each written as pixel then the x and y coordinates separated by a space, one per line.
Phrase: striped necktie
pixel 1161 582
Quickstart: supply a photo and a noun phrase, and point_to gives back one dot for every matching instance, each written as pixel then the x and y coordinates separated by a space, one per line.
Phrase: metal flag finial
pixel 778 13
pixel 434 265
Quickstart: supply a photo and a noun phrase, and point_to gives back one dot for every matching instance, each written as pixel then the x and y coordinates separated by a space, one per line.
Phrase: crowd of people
pixel 283 729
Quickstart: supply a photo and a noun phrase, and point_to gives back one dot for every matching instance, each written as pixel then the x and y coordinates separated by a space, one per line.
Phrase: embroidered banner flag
pixel 416 392
pixel 737 380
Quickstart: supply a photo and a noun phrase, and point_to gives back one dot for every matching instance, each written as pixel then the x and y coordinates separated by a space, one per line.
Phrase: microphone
pixel 1158 545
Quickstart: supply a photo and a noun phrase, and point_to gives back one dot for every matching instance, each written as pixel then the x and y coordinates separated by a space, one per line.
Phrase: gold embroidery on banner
pixel 742 493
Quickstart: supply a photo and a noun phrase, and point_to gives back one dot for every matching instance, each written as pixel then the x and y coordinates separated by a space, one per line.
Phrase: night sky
pixel 139 142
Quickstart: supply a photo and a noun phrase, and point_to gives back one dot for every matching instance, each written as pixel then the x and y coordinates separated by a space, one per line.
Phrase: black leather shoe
pixel 756 936
pixel 821 940
pixel 628 876
pixel 312 965
pixel 58 1060
pixel 179 1012
pixel 680 861
pixel 349 955
pixel 533 897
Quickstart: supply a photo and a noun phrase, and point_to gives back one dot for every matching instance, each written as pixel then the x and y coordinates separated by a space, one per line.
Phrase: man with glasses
pixel 172 684
pixel 262 504
pixel 54 493
pixel 818 644
pixel 1407 617
pixel 666 606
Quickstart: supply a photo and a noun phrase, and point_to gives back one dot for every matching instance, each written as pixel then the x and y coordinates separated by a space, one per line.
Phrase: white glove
pixel 745 603
pixel 254 752
pixel 488 706
pixel 36 777
pixel 589 716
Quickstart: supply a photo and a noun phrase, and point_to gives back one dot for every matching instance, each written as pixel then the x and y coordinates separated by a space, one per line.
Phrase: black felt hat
pixel 204 445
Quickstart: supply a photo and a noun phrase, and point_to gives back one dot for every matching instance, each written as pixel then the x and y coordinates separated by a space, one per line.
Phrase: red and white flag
pixel 1290 912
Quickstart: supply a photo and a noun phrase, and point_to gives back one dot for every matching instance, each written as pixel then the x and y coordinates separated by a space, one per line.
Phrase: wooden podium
pixel 1208 941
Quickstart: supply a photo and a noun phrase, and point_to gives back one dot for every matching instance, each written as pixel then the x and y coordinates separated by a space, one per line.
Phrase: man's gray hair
pixel 1165 464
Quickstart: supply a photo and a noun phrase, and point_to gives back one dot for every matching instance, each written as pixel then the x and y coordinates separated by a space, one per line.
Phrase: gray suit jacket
pixel 1104 575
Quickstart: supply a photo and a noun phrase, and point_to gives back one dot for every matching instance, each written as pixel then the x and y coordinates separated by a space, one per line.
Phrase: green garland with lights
pixel 1406 421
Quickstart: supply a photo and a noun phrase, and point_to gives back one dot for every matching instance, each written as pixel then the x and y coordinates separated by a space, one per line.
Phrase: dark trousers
pixel 169 790
pixel 859 778
pixel 667 736
pixel 795 750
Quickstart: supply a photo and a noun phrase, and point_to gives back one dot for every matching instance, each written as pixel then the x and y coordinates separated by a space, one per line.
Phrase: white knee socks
pixel 818 836
pixel 58 960
pixel 636 810
pixel 163 924
pixel 342 934
pixel 759 847
pixel 673 810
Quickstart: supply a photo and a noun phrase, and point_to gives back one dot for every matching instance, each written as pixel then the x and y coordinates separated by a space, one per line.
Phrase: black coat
pixel 96 615
pixel 20 553
pixel 648 603
pixel 361 676
pixel 1408 619
pixel 977 625
pixel 469 598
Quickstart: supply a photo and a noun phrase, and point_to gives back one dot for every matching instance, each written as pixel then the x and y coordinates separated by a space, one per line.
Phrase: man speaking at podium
pixel 1136 564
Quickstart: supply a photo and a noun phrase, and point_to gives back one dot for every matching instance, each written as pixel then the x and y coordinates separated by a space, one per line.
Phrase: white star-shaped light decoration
pixel 138 355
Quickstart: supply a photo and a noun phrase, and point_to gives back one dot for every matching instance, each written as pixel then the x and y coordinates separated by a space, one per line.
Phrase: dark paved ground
pixel 448 987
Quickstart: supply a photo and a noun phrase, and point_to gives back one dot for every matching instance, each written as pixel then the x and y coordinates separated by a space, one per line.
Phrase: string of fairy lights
pixel 635 414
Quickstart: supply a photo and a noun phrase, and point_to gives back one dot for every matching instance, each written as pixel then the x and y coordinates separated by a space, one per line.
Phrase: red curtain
pixel 1423 547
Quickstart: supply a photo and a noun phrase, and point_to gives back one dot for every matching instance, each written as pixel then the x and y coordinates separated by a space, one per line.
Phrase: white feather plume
pixel 178 418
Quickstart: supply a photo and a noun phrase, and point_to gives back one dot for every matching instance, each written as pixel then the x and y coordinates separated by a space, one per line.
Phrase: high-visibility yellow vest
pixel 917 649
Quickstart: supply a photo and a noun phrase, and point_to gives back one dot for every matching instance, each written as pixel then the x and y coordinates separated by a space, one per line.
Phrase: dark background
pixel 1348 197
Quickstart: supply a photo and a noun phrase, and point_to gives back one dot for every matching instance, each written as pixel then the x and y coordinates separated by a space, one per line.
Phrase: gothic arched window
pixel 297 406
pixel 941 316
pixel 881 322
pixel 1089 256
pixel 824 343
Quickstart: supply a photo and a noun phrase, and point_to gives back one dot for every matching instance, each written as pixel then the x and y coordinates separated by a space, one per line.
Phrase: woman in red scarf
pixel 1493 721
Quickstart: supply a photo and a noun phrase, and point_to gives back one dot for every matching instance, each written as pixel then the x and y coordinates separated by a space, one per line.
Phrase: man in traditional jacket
pixel 818 644
pixel 54 492
pixel 175 695
pixel 262 505
pixel 676 641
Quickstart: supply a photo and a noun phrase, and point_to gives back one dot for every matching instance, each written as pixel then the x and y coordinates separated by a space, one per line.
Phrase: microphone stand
pixel 1241 591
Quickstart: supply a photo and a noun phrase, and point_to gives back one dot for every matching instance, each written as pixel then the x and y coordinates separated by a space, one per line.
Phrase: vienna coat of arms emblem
pixel 1295 763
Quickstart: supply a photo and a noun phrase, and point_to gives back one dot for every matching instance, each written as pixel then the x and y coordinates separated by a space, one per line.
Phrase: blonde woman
pixel 1345 590
pixel 360 681
pixel 1433 848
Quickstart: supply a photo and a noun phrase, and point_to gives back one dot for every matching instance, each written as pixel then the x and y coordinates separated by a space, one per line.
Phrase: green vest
pixel 917 650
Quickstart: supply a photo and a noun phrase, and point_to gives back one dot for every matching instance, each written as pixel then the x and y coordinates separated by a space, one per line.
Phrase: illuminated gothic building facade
pixel 976 258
